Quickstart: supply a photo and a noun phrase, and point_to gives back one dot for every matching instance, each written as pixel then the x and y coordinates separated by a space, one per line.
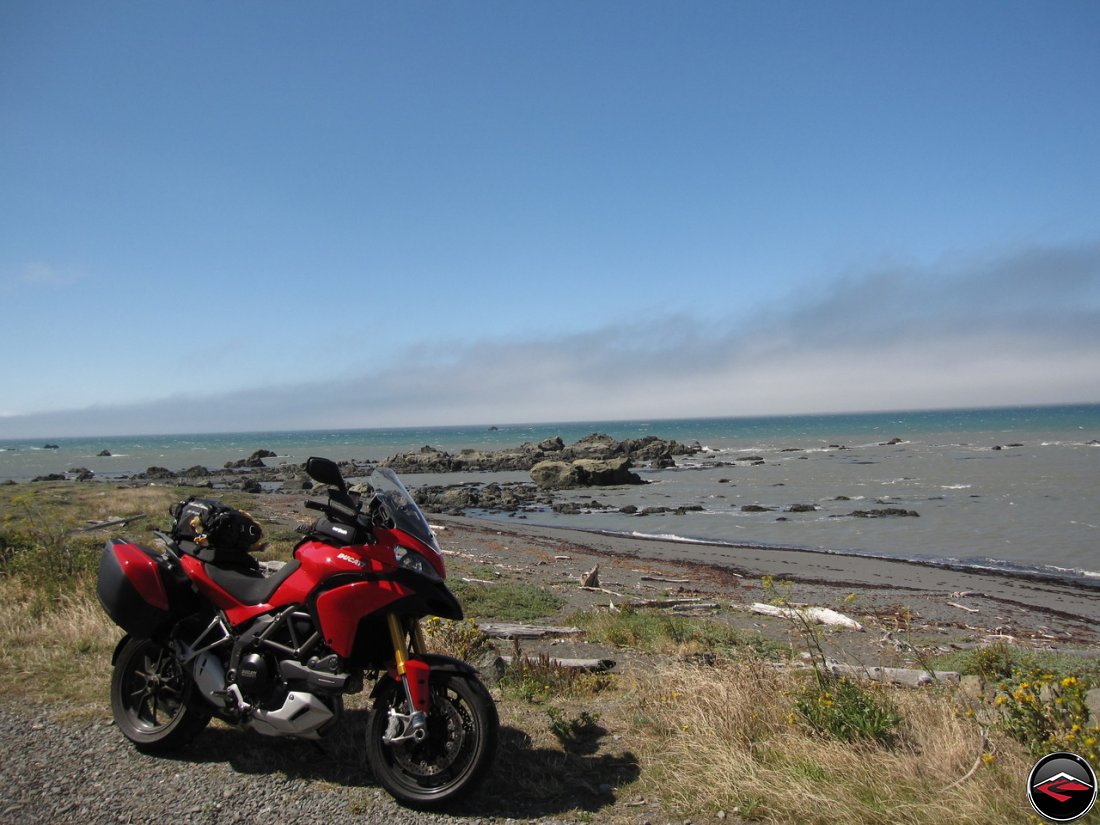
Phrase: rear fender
pixel 118 648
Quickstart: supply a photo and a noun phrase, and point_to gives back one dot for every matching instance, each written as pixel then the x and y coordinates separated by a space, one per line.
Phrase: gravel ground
pixel 56 771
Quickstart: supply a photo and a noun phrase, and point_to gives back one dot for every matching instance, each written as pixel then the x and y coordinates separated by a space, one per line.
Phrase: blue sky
pixel 254 215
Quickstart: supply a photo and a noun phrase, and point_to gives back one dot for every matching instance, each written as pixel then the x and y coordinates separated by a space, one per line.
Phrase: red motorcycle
pixel 209 634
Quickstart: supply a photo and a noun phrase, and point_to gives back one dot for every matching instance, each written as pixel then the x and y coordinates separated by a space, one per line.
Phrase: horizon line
pixel 489 426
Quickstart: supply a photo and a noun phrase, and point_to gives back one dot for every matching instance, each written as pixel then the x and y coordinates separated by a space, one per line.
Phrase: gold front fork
pixel 398 636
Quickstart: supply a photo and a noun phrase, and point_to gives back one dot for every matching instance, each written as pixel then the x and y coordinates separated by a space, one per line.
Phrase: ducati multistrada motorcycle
pixel 276 652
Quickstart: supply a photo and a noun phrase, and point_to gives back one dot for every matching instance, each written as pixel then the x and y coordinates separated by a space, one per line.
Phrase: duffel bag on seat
pixel 215 532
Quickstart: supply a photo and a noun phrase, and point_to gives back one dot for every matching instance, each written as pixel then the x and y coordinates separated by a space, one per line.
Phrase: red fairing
pixel 339 610
pixel 142 572
pixel 321 561
pixel 317 562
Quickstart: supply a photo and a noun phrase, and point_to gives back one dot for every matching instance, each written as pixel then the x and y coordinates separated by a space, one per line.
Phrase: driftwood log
pixel 813 615
pixel 901 676
pixel 908 677
pixel 112 523
pixel 508 630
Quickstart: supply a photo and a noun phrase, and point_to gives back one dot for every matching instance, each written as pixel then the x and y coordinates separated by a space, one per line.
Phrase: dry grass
pixel 62 655
pixel 726 738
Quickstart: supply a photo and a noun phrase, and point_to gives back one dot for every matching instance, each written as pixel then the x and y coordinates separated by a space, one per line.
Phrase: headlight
pixel 411 560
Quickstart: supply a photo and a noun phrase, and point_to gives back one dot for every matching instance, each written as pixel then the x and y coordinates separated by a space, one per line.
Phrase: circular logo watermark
pixel 1062 787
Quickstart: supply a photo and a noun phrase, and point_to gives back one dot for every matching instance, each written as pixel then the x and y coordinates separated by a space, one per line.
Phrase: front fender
pixel 446 664
pixel 438 662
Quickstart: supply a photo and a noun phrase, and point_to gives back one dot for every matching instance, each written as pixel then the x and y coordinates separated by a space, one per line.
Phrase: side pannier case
pixel 139 589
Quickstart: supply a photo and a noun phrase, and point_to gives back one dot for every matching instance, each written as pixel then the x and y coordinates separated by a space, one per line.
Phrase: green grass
pixel 651 631
pixel 507 601
pixel 1000 661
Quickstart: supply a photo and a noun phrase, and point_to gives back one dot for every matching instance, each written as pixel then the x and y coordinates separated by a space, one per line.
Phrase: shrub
pixel 994 662
pixel 1046 713
pixel 579 734
pixel 463 640
pixel 850 711
pixel 540 678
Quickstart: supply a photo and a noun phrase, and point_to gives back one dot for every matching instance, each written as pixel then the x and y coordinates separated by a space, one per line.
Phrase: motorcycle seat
pixel 250 586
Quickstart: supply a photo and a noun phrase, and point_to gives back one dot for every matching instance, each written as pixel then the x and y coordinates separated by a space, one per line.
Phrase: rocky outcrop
pixel 254 460
pixel 584 472
pixel 885 512
pixel 457 499
pixel 431 460
pixel 650 451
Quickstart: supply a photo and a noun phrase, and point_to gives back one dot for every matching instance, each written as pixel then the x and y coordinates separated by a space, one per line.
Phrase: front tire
pixel 152 698
pixel 459 748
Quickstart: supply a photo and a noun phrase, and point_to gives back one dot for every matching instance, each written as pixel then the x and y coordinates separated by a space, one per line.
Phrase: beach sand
pixel 936 609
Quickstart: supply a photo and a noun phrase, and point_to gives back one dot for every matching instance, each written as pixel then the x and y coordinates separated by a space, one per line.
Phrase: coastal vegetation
pixel 701 720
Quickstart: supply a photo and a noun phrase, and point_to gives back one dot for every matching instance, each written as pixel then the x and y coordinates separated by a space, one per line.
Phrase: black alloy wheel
pixel 152 698
pixel 452 759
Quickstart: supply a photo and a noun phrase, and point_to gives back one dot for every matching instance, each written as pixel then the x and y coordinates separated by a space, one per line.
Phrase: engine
pixel 255 676
pixel 263 683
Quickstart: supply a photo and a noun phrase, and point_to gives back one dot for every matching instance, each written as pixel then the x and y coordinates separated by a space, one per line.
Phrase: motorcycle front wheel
pixel 152 698
pixel 455 755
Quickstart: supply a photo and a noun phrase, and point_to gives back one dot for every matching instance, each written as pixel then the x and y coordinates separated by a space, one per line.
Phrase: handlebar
pixel 333 508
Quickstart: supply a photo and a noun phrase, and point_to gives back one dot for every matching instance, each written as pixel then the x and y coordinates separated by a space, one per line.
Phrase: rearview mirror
pixel 325 471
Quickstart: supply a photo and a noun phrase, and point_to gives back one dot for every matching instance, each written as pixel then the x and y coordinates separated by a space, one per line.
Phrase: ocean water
pixel 1030 506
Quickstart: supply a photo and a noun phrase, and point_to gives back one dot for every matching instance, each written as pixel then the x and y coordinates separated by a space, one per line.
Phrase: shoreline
pixel 1070 577
pixel 947 608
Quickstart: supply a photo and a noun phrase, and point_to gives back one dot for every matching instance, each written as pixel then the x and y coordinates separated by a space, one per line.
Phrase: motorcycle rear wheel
pixel 459 748
pixel 152 698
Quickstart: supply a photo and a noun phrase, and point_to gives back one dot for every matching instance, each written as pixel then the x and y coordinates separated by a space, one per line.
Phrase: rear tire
pixel 153 699
pixel 461 742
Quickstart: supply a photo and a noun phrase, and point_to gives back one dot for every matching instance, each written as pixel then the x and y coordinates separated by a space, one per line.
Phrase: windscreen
pixel 398 503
